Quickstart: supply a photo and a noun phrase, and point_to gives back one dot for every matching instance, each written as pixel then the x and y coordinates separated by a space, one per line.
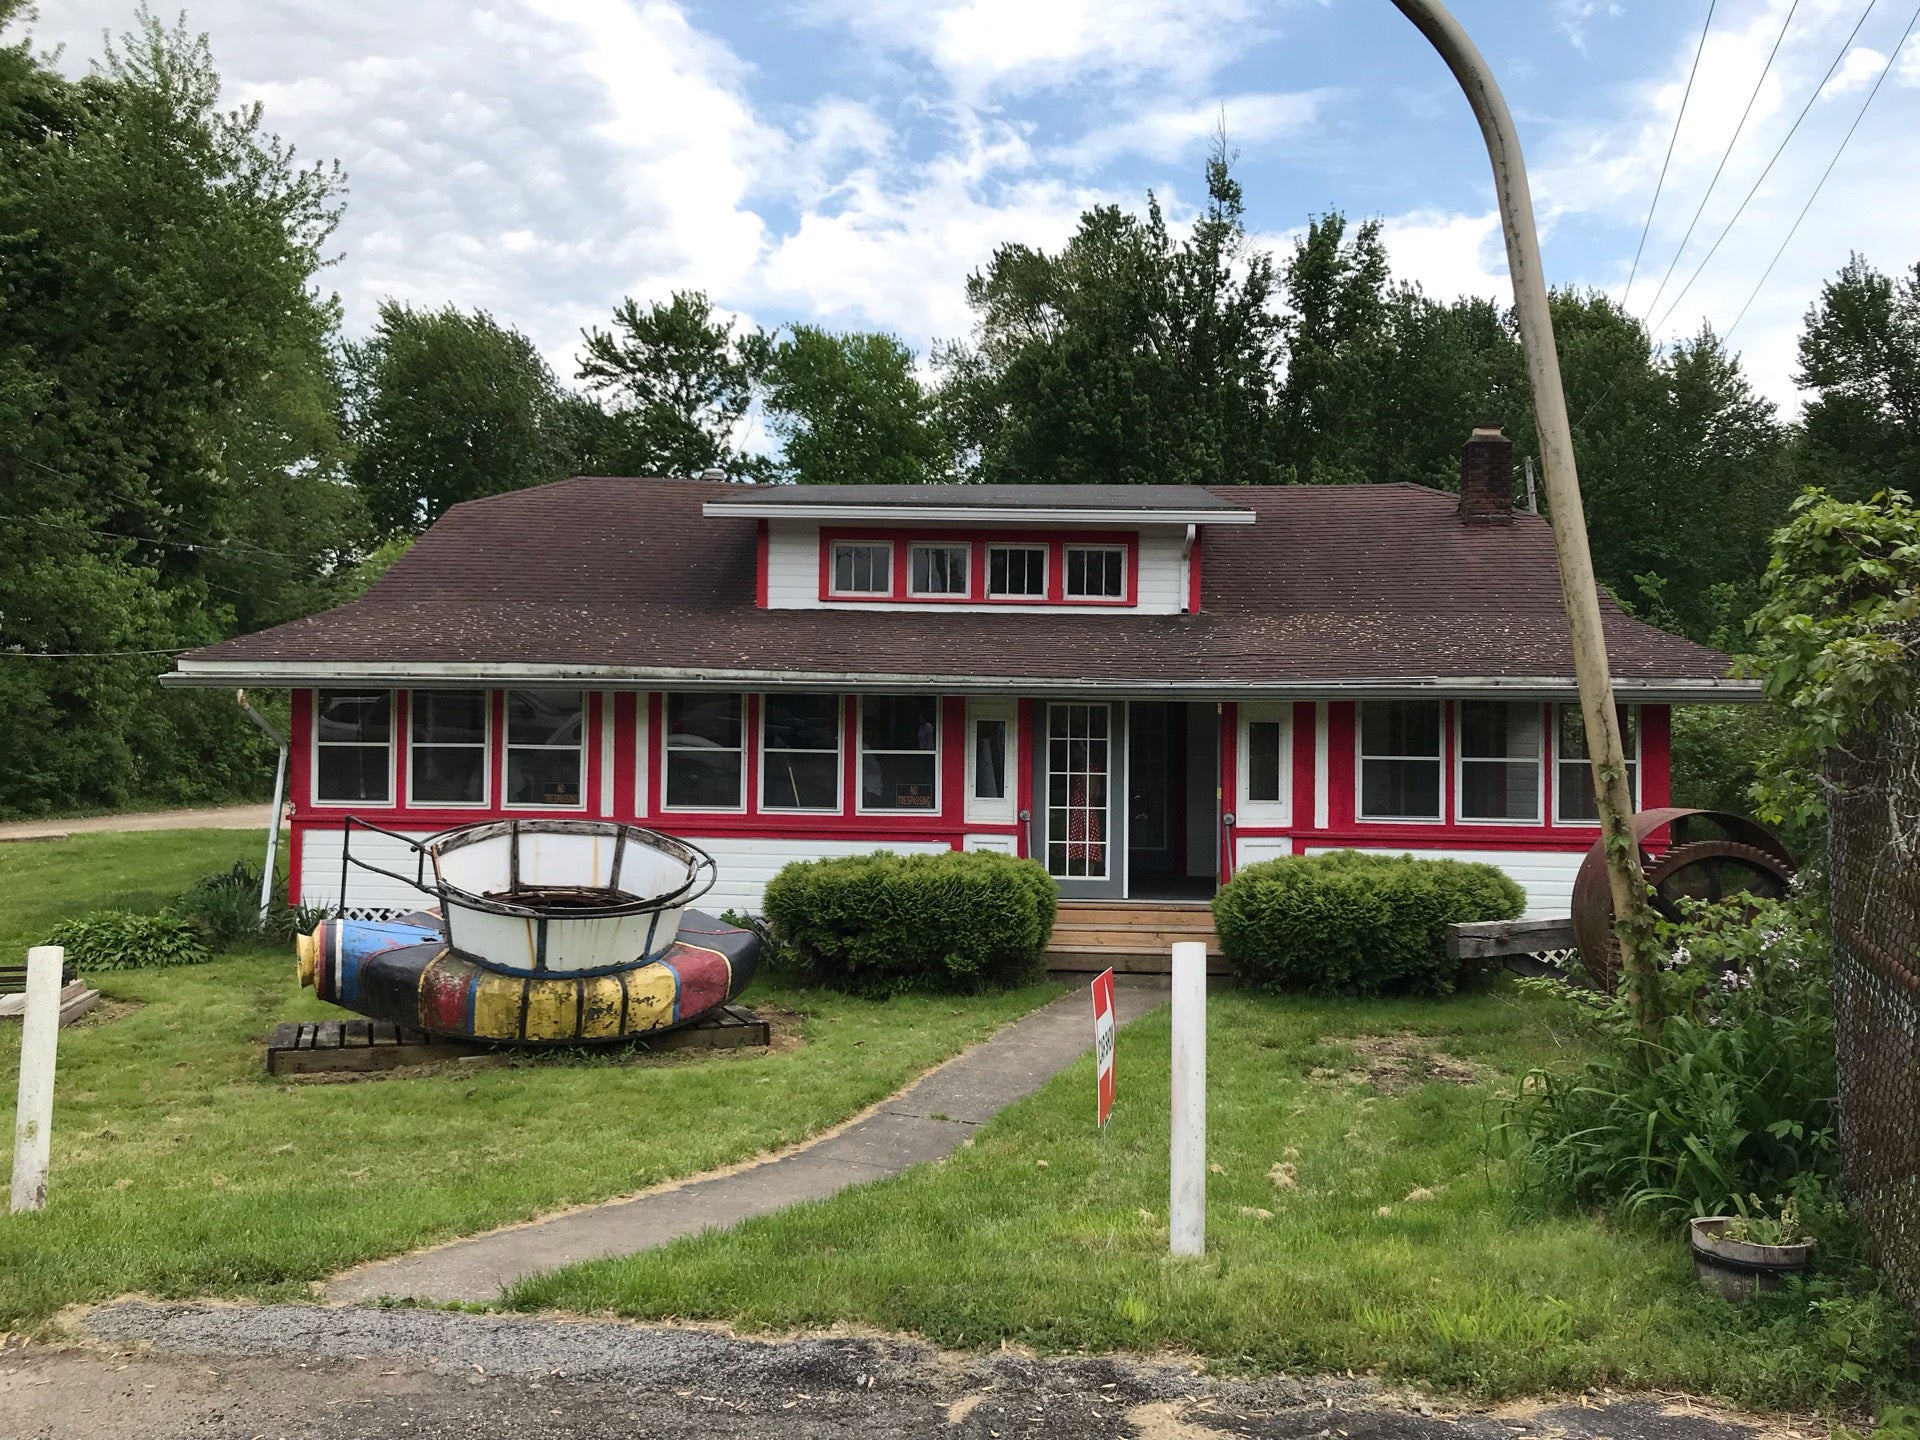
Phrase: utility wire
pixel 1792 230
pixel 6 654
pixel 1672 140
pixel 210 547
pixel 1725 155
pixel 1794 129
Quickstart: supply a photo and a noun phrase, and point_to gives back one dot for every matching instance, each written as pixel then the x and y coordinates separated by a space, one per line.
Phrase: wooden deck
pixel 332 1046
pixel 1134 937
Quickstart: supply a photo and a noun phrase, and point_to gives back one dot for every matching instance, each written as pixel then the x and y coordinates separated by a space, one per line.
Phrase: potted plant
pixel 1740 1255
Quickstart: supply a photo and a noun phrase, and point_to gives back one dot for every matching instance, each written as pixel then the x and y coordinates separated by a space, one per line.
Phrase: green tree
pixel 849 409
pixel 1860 355
pixel 446 406
pixel 1128 357
pixel 680 382
pixel 169 441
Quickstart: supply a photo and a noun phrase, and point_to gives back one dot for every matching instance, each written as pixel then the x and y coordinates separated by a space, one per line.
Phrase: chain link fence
pixel 1874 848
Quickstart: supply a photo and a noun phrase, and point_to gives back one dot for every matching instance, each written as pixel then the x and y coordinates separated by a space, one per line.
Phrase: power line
pixel 1794 229
pixel 1672 140
pixel 1725 155
pixel 1794 129
pixel 89 654
pixel 195 546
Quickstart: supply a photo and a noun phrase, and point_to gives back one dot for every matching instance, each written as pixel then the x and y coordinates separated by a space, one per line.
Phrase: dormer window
pixel 938 570
pixel 1017 572
pixel 863 568
pixel 1096 572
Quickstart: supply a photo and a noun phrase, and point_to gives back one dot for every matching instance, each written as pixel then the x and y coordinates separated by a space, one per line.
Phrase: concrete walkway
pixel 927 1121
pixel 224 817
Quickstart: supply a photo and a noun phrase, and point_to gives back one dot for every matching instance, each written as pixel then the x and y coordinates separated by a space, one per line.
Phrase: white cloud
pixel 1856 72
pixel 980 46
pixel 1449 255
pixel 1170 132
pixel 1575 17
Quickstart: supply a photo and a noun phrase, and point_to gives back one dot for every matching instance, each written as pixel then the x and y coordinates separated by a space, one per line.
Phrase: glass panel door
pixel 1079 838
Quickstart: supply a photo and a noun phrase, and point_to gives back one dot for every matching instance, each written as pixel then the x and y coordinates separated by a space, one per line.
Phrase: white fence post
pixel 1187 1207
pixel 33 1115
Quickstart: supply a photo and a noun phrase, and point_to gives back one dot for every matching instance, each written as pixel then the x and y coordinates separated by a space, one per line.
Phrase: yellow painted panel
pixel 650 992
pixel 496 1006
pixel 600 1014
pixel 552 1009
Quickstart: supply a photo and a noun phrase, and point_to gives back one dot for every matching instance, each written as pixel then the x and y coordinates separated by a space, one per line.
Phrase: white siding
pixel 1252 852
pixel 1546 875
pixel 793 571
pixel 320 870
pixel 999 844
pixel 793 565
pixel 747 865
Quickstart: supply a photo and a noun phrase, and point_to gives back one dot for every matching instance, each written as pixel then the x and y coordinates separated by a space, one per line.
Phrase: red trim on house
pixel 850 747
pixel 750 747
pixel 1027 772
pixel 953 764
pixel 1303 738
pixel 1342 757
pixel 1193 574
pixel 1656 756
pixel 626 778
pixel 977 541
pixel 760 564
pixel 656 741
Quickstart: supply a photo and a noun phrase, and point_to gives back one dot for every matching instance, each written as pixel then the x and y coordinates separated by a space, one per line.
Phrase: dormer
pixel 1036 548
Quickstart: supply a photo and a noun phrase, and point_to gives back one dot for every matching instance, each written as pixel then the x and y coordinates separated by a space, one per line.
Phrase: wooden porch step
pixel 1088 938
pixel 1078 960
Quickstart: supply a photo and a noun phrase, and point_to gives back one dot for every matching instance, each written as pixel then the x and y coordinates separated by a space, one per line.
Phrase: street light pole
pixel 1634 923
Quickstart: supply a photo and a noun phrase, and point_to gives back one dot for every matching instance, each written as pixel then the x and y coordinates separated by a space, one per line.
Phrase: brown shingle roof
pixel 1332 586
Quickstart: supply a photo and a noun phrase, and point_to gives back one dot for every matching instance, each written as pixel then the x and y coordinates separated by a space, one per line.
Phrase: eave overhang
pixel 414 674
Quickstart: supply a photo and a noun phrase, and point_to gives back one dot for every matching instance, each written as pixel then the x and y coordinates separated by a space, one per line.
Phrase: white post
pixel 33 1116
pixel 1187 1205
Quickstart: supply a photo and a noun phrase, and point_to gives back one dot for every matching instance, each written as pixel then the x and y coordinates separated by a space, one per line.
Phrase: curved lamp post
pixel 1634 924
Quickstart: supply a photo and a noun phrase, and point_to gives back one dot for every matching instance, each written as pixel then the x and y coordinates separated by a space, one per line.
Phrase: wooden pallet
pixel 1132 936
pixel 318 1047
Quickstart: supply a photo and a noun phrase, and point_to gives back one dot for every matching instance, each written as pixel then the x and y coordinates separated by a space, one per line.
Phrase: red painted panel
pixel 1193 574
pixel 626 776
pixel 1228 780
pixel 1341 750
pixel 656 739
pixel 953 761
pixel 1025 772
pixel 1304 739
pixel 1656 756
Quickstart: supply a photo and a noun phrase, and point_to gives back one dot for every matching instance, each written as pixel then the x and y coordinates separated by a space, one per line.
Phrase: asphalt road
pixel 317 1373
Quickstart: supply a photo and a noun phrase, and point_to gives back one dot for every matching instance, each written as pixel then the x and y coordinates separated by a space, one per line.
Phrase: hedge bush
pixel 1357 924
pixel 884 923
pixel 122 940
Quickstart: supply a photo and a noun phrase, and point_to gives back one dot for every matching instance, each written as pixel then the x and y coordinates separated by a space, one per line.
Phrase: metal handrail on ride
pixel 702 871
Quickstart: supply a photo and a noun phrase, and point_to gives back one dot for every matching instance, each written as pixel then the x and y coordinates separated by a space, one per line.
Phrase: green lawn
pixel 1386 1241
pixel 181 1169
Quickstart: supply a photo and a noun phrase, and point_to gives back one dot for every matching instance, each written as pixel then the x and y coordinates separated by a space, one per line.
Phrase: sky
pixel 848 162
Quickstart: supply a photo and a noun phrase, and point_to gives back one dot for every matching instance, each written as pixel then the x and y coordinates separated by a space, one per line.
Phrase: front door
pixel 1079 826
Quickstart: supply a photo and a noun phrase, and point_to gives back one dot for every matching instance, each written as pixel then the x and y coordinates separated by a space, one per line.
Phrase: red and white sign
pixel 1103 1033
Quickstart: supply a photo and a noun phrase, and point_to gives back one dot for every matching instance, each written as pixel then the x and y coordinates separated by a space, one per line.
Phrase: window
pixel 1573 775
pixel 863 568
pixel 353 746
pixel 800 752
pixel 1096 572
pixel 447 749
pixel 544 732
pixel 938 570
pixel 705 767
pixel 1266 781
pixel 990 781
pixel 1017 572
pixel 899 760
pixel 1400 760
pixel 1500 753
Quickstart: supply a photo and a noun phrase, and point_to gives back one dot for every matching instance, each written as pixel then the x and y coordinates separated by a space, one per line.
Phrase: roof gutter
pixel 427 674
pixel 982 514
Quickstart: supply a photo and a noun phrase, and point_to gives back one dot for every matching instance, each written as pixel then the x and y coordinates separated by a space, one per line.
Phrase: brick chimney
pixel 1486 478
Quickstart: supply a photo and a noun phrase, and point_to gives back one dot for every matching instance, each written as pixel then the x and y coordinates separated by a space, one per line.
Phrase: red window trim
pixel 1057 543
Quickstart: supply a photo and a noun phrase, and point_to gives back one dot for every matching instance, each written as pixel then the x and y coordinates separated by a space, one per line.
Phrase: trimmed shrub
pixel 884 923
pixel 1357 924
pixel 122 940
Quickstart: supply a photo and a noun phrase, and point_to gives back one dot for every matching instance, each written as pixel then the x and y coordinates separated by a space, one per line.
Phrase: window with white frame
pixel 1265 747
pixel 862 567
pixel 1574 802
pixel 800 752
pixel 546 730
pixel 705 762
pixel 1017 572
pixel 899 752
pixel 447 747
pixel 1096 572
pixel 1400 762
pixel 938 570
pixel 1502 747
pixel 990 758
pixel 353 747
